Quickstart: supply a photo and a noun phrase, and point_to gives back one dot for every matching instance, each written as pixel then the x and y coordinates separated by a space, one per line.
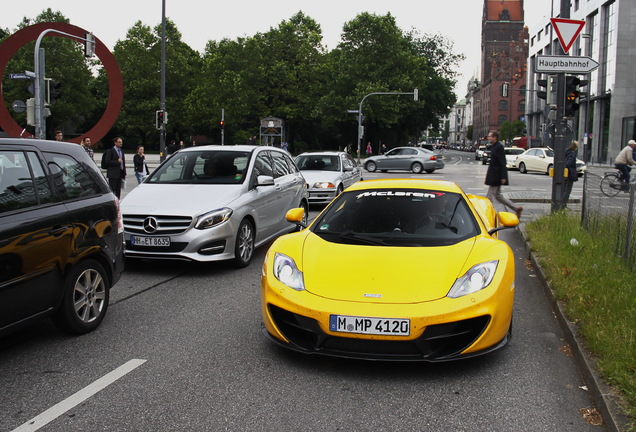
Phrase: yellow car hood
pixel 381 274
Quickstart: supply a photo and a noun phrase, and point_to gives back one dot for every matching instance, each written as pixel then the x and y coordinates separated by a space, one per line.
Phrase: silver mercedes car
pixel 414 159
pixel 327 174
pixel 213 203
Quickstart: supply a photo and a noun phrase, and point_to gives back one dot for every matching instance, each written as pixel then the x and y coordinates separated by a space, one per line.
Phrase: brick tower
pixel 504 53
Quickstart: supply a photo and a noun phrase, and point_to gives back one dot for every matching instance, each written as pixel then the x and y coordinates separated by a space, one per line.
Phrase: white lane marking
pixel 72 401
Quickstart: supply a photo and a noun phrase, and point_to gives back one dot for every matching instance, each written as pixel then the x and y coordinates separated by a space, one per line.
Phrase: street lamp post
pixel 361 117
pixel 162 90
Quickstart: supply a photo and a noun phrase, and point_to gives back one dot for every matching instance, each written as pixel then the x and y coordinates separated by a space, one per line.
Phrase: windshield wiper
pixel 449 227
pixel 350 235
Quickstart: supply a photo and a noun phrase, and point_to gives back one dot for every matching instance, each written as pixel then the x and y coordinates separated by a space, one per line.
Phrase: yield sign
pixel 567 30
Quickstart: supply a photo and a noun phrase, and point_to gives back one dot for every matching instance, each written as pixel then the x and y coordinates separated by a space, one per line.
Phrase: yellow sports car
pixel 393 270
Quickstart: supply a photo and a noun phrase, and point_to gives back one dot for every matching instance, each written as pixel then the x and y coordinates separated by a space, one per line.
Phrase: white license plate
pixel 149 241
pixel 369 325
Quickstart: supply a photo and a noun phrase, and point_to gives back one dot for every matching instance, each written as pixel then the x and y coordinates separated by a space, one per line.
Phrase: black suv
pixel 61 236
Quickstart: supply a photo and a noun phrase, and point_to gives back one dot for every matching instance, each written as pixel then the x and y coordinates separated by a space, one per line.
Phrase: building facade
pixel 606 119
pixel 457 124
pixel 500 96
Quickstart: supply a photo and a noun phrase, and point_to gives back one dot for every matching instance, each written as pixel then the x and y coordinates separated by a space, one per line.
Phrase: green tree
pixel 139 57
pixel 509 130
pixel 278 73
pixel 376 56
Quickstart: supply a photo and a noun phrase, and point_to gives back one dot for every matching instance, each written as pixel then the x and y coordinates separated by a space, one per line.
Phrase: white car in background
pixel 327 174
pixel 541 159
pixel 212 203
pixel 511 156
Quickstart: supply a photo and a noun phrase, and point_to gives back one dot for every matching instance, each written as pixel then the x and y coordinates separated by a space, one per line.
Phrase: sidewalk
pixel 534 206
pixel 151 159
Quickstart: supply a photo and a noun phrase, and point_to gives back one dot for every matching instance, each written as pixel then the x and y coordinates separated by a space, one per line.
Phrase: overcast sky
pixel 203 20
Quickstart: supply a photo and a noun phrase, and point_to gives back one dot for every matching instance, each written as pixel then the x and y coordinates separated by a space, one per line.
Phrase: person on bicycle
pixel 625 159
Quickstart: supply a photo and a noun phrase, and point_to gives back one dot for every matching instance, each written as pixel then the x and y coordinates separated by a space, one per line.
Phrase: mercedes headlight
pixel 324 185
pixel 285 270
pixel 475 279
pixel 213 218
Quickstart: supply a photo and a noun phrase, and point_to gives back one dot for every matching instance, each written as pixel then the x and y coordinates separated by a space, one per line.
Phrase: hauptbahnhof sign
pixel 564 64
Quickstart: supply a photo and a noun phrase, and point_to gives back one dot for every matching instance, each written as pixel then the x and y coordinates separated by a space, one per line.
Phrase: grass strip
pixel 598 290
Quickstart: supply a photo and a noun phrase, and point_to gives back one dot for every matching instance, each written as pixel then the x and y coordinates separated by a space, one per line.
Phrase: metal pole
pixel 414 92
pixel 360 127
pixel 162 103
pixel 38 87
pixel 40 122
pixel 560 130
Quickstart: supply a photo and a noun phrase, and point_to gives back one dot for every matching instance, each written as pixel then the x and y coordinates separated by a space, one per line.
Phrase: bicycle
pixel 612 183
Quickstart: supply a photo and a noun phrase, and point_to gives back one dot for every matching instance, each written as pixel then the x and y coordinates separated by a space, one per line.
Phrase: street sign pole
pixel 560 136
pixel 40 70
pixel 40 125
pixel 415 94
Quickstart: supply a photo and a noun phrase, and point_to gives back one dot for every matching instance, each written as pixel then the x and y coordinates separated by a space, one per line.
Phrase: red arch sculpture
pixel 115 82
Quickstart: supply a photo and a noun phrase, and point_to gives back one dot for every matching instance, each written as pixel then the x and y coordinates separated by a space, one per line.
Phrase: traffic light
pixel 222 123
pixel 543 94
pixel 89 45
pixel 572 95
pixel 504 89
pixel 52 93
pixel 161 118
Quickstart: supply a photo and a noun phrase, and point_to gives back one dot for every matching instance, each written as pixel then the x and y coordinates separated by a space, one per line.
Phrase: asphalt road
pixel 181 349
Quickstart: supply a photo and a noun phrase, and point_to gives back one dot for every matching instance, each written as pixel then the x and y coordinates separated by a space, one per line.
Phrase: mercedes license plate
pixel 369 325
pixel 149 241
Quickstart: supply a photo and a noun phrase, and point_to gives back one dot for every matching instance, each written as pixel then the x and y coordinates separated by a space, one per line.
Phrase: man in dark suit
pixel 115 164
pixel 497 174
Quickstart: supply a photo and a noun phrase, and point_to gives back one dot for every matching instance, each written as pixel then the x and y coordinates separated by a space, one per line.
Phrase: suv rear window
pixel 70 177
pixel 17 186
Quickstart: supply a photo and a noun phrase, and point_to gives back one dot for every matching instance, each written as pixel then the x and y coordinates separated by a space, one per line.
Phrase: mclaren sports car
pixel 395 269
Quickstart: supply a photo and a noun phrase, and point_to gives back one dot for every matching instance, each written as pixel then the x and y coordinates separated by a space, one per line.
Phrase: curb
pixel 605 399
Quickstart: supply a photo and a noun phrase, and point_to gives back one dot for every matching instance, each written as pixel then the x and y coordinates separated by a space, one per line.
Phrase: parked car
pixel 485 156
pixel 414 159
pixel 212 203
pixel 511 156
pixel 62 236
pixel 542 160
pixel 324 291
pixel 327 174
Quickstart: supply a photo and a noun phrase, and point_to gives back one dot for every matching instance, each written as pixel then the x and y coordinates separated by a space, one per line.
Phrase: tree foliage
pixel 509 130
pixel 285 72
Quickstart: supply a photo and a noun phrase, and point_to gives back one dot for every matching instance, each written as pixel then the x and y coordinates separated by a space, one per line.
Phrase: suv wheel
pixel 85 299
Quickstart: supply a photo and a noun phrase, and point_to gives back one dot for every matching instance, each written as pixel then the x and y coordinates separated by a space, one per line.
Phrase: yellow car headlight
pixel 475 279
pixel 285 270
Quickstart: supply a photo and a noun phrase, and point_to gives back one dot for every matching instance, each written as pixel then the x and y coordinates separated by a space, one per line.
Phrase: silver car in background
pixel 327 174
pixel 414 159
pixel 212 203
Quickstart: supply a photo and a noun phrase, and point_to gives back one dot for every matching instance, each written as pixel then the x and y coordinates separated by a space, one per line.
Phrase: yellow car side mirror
pixel 295 215
pixel 508 220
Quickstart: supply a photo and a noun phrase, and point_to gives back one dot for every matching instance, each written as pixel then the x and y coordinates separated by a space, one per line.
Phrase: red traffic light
pixel 222 122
